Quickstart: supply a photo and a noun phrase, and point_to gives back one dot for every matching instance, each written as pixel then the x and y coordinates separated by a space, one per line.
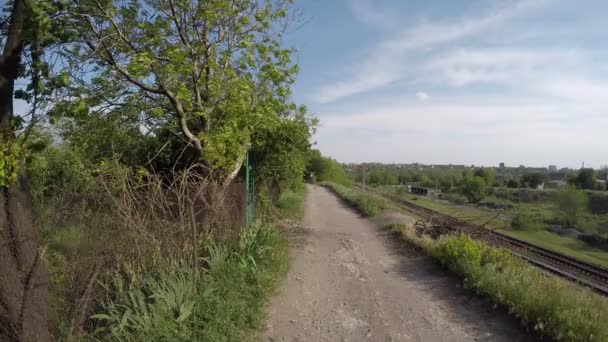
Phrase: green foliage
pixel 512 183
pixel 325 169
pixel 460 254
pixel 220 303
pixel 474 189
pixel 366 204
pixel 533 180
pixel 488 175
pixel 10 154
pixel 585 179
pixel 291 203
pixel 552 307
pixel 524 220
pixel 281 152
pixel 214 95
pixel 381 177
pixel 571 206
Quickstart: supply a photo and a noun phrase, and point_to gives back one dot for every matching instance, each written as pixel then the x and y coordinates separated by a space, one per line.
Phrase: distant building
pixel 502 165
pixel 552 168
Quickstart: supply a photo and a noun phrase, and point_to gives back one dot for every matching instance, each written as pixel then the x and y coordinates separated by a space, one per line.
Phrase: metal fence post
pixel 250 189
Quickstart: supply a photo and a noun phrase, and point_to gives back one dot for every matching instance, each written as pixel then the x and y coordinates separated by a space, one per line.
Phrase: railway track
pixel 592 276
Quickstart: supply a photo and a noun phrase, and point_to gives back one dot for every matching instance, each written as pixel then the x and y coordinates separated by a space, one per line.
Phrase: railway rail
pixel 592 276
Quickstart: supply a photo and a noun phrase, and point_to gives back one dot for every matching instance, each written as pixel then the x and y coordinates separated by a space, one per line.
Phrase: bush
pixel 551 306
pixel 474 189
pixel 461 254
pixel 523 220
pixel 571 207
pixel 598 203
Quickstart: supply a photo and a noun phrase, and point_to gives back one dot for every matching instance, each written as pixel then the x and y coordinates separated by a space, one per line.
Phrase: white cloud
pixel 422 96
pixel 456 132
pixel 431 33
pixel 365 12
pixel 384 63
pixel 461 67
pixel 376 72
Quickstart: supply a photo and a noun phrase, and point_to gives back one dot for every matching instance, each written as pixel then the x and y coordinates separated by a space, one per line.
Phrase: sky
pixel 462 82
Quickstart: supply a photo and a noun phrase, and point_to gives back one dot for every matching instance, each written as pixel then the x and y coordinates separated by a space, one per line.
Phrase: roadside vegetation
pixel 367 204
pixel 550 306
pixel 125 179
pixel 572 219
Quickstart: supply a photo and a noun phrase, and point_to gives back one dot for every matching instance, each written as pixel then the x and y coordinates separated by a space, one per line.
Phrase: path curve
pixel 352 281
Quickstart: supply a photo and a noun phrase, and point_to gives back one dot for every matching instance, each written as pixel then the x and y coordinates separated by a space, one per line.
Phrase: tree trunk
pixel 23 277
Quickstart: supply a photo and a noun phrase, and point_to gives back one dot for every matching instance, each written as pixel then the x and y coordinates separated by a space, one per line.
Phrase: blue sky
pixel 467 82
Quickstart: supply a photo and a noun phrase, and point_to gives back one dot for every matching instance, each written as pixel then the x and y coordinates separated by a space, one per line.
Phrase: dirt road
pixel 352 281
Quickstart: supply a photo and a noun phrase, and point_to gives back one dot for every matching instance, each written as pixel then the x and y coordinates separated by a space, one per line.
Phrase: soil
pixel 351 280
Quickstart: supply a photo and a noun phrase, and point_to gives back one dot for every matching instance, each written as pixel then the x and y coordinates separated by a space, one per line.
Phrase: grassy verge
pixel 291 203
pixel 366 204
pixel 565 245
pixel 223 301
pixel 549 305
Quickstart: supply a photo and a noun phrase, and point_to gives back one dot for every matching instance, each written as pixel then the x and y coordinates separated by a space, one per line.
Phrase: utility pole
pixel 436 194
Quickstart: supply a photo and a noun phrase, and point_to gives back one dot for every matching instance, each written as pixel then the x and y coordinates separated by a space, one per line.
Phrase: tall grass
pixel 291 203
pixel 366 204
pixel 551 306
pixel 148 247
pixel 222 301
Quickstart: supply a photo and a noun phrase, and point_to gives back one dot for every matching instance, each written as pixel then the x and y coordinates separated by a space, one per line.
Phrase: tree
pixel 585 179
pixel 512 183
pixel 210 73
pixel 281 153
pixel 533 180
pixel 571 206
pixel 474 189
pixel 28 28
pixel 326 169
pixel 488 175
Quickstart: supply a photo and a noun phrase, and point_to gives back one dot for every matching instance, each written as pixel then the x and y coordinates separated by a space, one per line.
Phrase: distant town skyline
pixel 474 82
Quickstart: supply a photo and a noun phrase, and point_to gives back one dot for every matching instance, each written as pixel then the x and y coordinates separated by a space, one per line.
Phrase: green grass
pixel 366 204
pixel 221 302
pixel 291 203
pixel 551 306
pixel 565 245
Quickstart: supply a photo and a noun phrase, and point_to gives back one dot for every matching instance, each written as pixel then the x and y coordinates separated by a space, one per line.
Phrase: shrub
pixel 461 254
pixel 523 220
pixel 474 189
pixel 571 207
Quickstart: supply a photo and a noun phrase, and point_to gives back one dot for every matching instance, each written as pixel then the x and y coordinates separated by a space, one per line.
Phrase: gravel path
pixel 352 281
